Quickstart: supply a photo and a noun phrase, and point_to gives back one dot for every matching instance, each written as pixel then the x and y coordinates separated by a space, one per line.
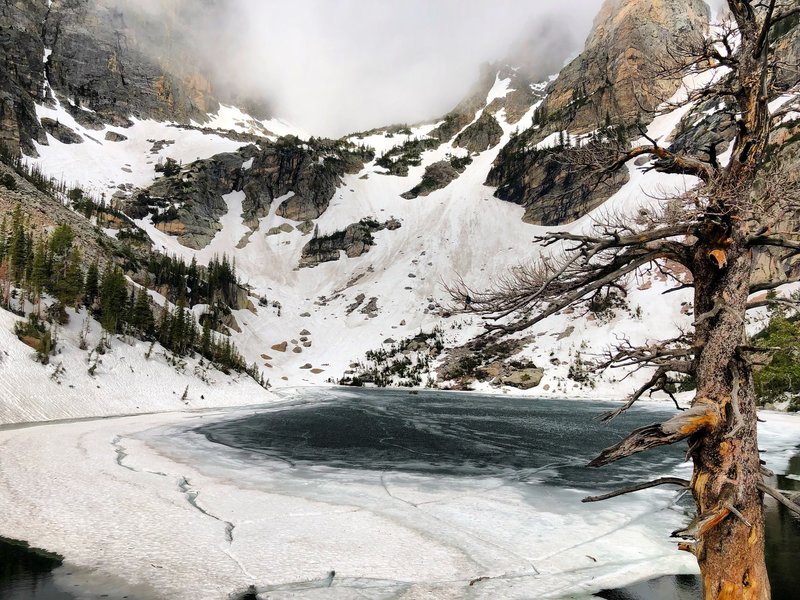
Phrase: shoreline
pixel 281 394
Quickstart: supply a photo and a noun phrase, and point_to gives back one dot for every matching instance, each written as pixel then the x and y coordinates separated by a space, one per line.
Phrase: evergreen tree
pixel 39 271
pixel 17 248
pixel 70 287
pixel 142 316
pixel 61 241
pixel 193 283
pixel 113 299
pixel 91 285
pixel 179 328
pixel 205 340
pixel 165 328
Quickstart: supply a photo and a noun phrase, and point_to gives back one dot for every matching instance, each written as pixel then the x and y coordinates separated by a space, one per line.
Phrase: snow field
pixel 124 380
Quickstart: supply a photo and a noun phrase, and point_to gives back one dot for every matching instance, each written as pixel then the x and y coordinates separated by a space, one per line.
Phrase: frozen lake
pixel 443 433
pixel 371 494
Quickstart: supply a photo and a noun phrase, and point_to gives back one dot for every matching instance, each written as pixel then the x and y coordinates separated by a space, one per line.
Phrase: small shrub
pixel 8 181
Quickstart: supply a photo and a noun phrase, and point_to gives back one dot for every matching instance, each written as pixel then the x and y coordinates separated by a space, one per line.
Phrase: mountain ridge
pixel 370 303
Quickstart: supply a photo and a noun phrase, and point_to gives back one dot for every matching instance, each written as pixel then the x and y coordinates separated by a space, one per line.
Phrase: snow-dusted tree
pixel 737 210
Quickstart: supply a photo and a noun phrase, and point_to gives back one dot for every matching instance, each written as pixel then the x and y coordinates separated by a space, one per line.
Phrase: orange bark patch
pixel 718 518
pixel 700 483
pixel 719 257
pixel 725 449
pixel 753 537
pixel 707 420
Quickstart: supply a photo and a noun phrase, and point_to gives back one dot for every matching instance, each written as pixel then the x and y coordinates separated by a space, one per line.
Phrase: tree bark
pixel 729 529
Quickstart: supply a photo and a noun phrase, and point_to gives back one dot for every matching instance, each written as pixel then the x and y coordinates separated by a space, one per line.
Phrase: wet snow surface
pixel 340 494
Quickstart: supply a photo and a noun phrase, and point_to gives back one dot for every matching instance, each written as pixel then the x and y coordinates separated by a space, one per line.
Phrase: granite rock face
pixel 190 202
pixel 309 171
pixel 62 133
pixel 438 176
pixel 356 239
pixel 21 73
pixel 617 73
pixel 546 184
pixel 197 191
pixel 606 88
pixel 106 62
pixel 102 59
pixel 483 134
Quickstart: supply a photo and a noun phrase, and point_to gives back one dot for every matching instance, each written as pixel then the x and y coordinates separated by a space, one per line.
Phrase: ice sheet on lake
pixel 147 498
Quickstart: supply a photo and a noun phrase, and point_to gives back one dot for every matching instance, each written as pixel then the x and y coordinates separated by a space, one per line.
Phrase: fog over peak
pixel 337 66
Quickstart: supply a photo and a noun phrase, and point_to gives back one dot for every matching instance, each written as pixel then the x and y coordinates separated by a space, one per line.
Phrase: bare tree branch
pixel 682 483
pixel 703 415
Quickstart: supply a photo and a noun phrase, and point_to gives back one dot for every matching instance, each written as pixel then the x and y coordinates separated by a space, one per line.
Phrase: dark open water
pixel 460 435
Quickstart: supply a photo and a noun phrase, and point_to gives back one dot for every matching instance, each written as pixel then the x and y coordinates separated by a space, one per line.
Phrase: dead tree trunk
pixel 728 532
pixel 712 233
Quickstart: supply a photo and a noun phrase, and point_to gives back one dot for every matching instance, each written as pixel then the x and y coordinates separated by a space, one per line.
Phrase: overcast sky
pixel 334 66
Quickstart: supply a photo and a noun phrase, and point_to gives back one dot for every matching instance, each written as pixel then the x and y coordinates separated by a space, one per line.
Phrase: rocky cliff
pixel 21 72
pixel 105 61
pixel 619 73
pixel 356 239
pixel 608 87
pixel 188 201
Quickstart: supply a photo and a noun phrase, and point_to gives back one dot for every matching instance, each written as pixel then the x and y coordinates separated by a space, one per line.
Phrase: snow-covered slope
pixel 313 323
pixel 129 377
pixel 459 231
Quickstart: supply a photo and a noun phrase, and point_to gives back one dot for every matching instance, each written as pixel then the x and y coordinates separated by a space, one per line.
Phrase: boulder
pixel 113 136
pixel 524 379
pixel 61 132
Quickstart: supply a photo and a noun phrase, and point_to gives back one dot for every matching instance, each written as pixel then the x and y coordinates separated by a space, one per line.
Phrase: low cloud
pixel 335 66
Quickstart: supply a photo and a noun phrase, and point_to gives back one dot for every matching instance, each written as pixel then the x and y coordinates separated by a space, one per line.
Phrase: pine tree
pixel 142 316
pixel 39 271
pixel 179 328
pixel 193 283
pixel 17 248
pixel 70 287
pixel 91 286
pixel 61 240
pixel 205 340
pixel 113 299
pixel 165 328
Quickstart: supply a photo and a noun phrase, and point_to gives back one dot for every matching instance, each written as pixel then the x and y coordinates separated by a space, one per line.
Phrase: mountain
pixel 344 247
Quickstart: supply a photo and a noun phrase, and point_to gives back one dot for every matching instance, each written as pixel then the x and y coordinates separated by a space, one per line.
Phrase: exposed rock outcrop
pixel 483 134
pixel 189 201
pixel 437 176
pixel 21 74
pixel 605 88
pixel 617 74
pixel 62 133
pixel 463 114
pixel 311 171
pixel 106 61
pixel 523 379
pixel 354 240
pixel 545 182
